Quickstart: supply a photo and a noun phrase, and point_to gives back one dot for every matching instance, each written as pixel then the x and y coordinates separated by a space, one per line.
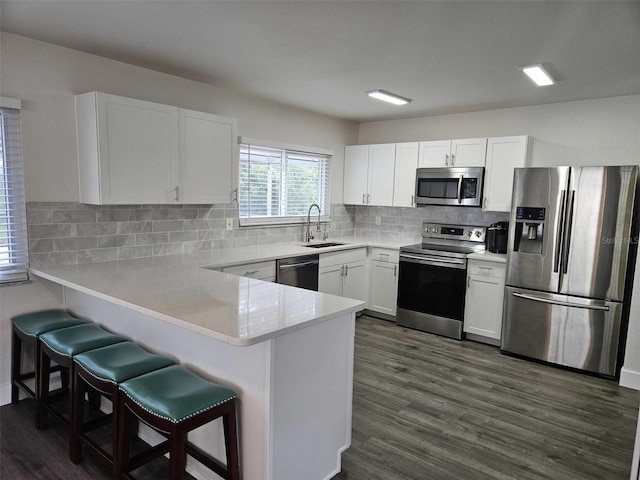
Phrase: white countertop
pixel 487 256
pixel 236 310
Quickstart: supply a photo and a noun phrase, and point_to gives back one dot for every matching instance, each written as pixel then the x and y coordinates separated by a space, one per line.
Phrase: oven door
pixel 431 294
pixel 449 186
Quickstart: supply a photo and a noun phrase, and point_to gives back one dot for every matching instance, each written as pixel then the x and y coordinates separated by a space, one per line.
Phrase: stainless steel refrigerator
pixel 571 251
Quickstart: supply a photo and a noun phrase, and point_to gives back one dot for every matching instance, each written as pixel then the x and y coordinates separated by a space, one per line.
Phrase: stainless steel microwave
pixel 449 186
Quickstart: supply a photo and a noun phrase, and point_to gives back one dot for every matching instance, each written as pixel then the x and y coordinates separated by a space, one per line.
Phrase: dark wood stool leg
pixel 231 441
pixel 177 452
pixel 16 363
pixel 76 419
pixel 42 390
pixel 125 435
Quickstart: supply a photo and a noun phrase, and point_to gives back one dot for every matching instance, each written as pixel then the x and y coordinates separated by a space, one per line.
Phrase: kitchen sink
pixel 324 245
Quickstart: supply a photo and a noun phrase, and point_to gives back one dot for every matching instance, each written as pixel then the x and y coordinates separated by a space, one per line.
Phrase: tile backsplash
pixel 72 233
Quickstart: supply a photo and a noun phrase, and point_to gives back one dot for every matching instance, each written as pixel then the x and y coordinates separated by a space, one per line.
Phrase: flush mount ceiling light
pixel 388 97
pixel 538 75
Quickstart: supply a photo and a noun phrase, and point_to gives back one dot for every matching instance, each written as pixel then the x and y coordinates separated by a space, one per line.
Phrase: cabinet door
pixel 483 306
pixel 503 155
pixel 404 183
pixel 207 156
pixel 138 150
pixel 356 164
pixel 434 154
pixel 330 279
pixel 355 281
pixel 470 152
pixel 384 287
pixel 380 174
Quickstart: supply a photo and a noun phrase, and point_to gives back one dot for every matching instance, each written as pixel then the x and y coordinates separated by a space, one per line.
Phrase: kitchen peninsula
pixel 288 352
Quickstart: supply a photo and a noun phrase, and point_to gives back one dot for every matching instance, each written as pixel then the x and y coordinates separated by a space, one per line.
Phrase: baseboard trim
pixel 629 379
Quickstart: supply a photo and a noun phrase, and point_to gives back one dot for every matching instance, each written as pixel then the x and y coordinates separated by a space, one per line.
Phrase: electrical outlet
pixel 378 220
pixel 229 223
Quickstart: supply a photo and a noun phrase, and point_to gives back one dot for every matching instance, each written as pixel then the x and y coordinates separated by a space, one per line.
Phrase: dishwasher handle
pixel 297 265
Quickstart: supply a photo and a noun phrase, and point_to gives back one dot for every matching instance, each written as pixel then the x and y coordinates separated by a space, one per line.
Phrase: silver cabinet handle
pixel 363 197
pixel 446 160
pixel 346 270
pixel 177 194
pixel 603 308
pixel 342 271
pixel 395 270
pixel 412 200
pixel 368 198
pixel 453 159
pixel 251 272
pixel 468 281
pixel 234 195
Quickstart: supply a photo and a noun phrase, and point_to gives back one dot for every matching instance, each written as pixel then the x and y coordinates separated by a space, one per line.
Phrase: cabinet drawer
pixel 259 270
pixel 486 269
pixel 385 255
pixel 343 256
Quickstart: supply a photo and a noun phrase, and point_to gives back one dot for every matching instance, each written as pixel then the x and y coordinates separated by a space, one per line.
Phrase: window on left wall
pixel 14 254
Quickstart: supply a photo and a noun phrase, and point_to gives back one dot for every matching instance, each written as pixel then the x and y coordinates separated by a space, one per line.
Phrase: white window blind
pixel 13 216
pixel 278 185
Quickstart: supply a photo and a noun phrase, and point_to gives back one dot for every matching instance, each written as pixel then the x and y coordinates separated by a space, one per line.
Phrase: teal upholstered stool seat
pixel 175 401
pixel 103 369
pixel 26 330
pixel 61 346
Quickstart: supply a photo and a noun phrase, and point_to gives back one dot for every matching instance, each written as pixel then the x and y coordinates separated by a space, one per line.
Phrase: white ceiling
pixel 448 56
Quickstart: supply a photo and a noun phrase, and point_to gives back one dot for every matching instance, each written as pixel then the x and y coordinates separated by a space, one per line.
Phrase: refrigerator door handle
pixel 567 235
pixel 559 233
pixel 603 308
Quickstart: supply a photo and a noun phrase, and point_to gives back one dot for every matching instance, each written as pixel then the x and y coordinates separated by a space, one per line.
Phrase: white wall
pixel 590 132
pixel 46 77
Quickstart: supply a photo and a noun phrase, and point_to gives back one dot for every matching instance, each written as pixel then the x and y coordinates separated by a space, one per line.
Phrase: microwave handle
pixel 460 188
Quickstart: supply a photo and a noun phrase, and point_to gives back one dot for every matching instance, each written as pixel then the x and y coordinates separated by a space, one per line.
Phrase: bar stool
pixel 61 346
pixel 175 401
pixel 26 330
pixel 103 369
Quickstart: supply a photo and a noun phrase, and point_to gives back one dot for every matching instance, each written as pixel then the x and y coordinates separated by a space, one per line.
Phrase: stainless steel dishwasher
pixel 298 271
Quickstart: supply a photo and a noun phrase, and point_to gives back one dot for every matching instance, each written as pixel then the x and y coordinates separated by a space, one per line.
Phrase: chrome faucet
pixel 308 235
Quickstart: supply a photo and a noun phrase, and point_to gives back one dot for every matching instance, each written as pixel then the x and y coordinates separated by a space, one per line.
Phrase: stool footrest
pixel 207 460
pixel 148 455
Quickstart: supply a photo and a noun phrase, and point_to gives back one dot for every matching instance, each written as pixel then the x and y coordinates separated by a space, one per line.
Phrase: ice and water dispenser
pixel 529 230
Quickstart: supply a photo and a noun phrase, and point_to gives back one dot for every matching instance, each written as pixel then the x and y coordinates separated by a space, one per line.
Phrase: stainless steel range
pixel 432 279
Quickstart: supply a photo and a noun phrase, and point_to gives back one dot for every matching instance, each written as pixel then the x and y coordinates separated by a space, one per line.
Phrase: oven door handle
pixel 439 261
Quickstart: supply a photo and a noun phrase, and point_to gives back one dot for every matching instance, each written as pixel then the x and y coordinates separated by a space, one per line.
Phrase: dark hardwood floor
pixel 425 407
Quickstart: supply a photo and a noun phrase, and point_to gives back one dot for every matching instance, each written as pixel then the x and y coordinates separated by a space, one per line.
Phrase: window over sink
pixel 278 183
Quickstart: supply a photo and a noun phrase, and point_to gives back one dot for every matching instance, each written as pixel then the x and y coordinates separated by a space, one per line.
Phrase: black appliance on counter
pixel 497 234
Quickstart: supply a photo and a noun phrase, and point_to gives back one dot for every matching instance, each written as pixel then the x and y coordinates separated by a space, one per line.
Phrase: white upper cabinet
pixel 368 174
pixel 207 150
pixel 136 152
pixel 405 174
pixel 503 155
pixel 469 152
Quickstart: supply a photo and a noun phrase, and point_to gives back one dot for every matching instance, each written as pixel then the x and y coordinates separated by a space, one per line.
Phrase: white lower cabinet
pixel 383 287
pixel 259 270
pixel 344 273
pixel 483 303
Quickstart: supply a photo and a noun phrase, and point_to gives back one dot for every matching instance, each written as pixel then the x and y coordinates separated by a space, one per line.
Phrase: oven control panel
pixel 454 232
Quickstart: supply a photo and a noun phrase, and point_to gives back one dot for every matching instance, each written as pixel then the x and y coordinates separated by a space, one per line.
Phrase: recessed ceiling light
pixel 538 75
pixel 388 97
